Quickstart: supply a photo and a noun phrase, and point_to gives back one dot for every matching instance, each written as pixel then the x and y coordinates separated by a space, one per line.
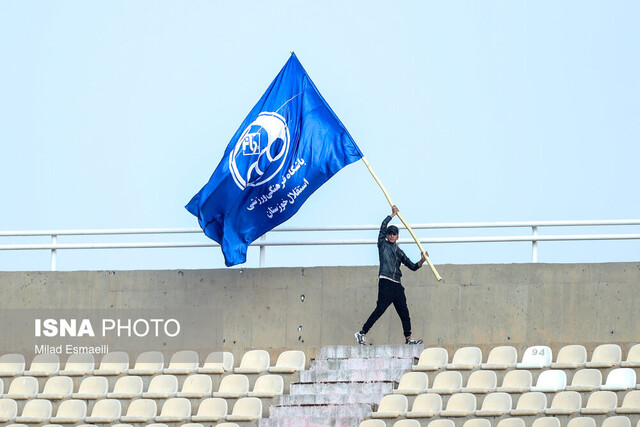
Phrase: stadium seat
pixel 536 357
pixel 35 411
pixel 617 421
pixel 70 412
pixel 447 382
pixel 572 356
pixel 233 386
pixel 246 409
pixel 22 388
pixel 148 363
pixel 392 406
pixel 605 356
pixel 175 410
pixel 586 380
pixel 425 405
pixel 267 386
pixel 516 381
pixel 196 387
pixel 8 410
pixel 495 405
pixel 127 387
pixel 432 359
pixel 511 422
pixel 162 387
pixel 57 388
pixel 551 381
pixel 620 379
pixel 92 388
pixel 460 405
pixel 288 362
pixel 501 357
pixel 600 402
pixel 630 403
pixel 633 357
pixel 412 383
pixel 44 365
pixel 226 425
pixel 195 425
pixel 546 422
pixel 581 422
pixel 211 409
pixel 217 363
pixel 140 411
pixel 253 362
pixel 406 423
pixel 11 364
pixel 441 423
pixel 477 422
pixel 565 403
pixel 78 365
pixel 481 382
pixel 182 362
pixel 466 358
pixel 113 363
pixel 105 411
pixel 531 403
pixel 370 423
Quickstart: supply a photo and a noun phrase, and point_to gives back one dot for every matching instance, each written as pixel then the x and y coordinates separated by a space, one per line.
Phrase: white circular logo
pixel 263 143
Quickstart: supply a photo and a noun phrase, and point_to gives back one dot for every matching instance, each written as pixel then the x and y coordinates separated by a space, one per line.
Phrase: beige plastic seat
pixel 633 357
pixel 92 388
pixel 516 381
pixel 182 362
pixel 617 421
pixel 425 405
pixel 460 405
pixel 288 362
pixel 140 411
pixel 113 363
pixel 605 356
pixel 105 411
pixel 392 406
pixel 267 386
pixel 211 409
pixel 501 357
pixel 233 386
pixel 466 358
pixel 148 363
pixel 432 359
pixel 536 357
pixel 620 379
pixel 35 411
pixel 477 422
pixel 194 425
pixel 406 423
pixel 11 364
pixel 531 403
pixel 511 422
pixel 78 365
pixel 253 362
pixel 127 387
pixel 226 425
pixel 495 405
pixel 565 403
pixel 175 410
pixel 572 356
pixel 412 383
pixel 480 382
pixel 581 422
pixel 44 365
pixel 371 423
pixel 447 382
pixel 57 388
pixel 441 423
pixel 630 403
pixel 70 412
pixel 22 388
pixel 600 402
pixel 246 409
pixel 162 387
pixel 8 410
pixel 586 380
pixel 546 422
pixel 217 362
pixel 196 387
pixel 551 381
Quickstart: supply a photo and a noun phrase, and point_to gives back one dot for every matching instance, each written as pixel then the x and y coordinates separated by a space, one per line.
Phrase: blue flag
pixel 285 149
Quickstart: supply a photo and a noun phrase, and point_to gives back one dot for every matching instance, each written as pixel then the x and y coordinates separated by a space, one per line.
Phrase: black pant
pixel 390 292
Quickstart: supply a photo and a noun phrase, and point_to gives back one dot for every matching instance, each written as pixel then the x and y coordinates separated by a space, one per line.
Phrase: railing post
pixel 534 245
pixel 54 240
pixel 263 249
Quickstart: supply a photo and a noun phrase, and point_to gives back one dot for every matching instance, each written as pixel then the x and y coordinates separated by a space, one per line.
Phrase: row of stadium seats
pixel 616 421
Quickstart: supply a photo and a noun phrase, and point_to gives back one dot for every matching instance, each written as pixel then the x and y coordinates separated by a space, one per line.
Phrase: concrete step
pixel 383 387
pixel 359 375
pixel 311 422
pixel 330 399
pixel 358 410
pixel 370 351
pixel 361 364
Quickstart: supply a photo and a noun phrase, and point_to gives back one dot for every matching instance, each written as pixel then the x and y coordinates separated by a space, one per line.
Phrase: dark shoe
pixel 412 341
pixel 362 338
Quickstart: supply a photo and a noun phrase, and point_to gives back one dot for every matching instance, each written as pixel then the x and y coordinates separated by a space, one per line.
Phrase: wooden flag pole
pixel 435 272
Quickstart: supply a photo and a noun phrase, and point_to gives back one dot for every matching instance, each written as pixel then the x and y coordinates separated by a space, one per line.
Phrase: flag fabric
pixel 286 148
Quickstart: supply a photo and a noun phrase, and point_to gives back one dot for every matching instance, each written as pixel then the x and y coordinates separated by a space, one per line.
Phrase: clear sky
pixel 113 114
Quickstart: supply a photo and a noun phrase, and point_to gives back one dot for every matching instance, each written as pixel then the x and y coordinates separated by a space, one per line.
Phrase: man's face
pixel 392 237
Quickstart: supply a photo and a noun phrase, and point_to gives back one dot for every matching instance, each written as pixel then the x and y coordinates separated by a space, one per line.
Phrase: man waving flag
pixel 285 149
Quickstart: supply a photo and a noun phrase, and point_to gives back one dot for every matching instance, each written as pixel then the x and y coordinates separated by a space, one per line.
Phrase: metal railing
pixel 265 241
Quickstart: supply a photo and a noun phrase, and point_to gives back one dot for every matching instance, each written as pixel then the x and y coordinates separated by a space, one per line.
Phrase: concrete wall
pixel 283 308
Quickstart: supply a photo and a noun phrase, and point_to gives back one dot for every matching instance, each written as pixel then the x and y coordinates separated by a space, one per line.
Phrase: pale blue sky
pixel 113 114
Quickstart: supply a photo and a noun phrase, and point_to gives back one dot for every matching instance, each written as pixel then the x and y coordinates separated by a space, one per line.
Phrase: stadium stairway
pixel 343 386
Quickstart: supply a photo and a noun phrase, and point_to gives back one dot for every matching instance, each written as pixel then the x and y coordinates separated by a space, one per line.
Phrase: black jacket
pixel 391 255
